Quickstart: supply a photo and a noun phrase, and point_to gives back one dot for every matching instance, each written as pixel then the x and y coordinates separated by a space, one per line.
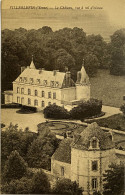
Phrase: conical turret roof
pixel 32 66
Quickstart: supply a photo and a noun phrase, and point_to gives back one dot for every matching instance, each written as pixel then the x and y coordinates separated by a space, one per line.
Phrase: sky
pixel 115 8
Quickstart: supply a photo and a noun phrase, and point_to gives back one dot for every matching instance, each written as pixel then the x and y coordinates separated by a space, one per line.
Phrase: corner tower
pixel 82 85
pixel 91 153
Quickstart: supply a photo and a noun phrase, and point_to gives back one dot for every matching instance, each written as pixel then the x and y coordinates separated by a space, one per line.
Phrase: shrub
pixel 11 105
pixel 122 108
pixel 86 109
pixel 66 186
pixel 56 112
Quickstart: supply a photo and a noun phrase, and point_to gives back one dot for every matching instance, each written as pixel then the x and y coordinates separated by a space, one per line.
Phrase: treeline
pixel 60 49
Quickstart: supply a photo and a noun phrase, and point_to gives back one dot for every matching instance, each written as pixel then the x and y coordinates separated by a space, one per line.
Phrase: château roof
pixel 93 131
pixel 63 152
pixel 43 75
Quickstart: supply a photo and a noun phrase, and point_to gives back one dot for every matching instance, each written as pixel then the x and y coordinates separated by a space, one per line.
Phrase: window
pixel 52 83
pixel 49 103
pixel 94 183
pixel 54 95
pixel 94 143
pixel 38 81
pixel 18 99
pixel 22 90
pixel 43 104
pixel 43 94
pixel 45 82
pixel 36 93
pixel 57 84
pixel 25 79
pixel 49 94
pixel 18 90
pixel 29 101
pixel 35 102
pixel 31 80
pixel 29 91
pixel 94 166
pixel 62 171
pixel 22 100
pixel 20 79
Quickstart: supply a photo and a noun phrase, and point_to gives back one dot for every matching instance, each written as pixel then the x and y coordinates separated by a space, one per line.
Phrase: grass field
pixel 116 121
pixel 108 88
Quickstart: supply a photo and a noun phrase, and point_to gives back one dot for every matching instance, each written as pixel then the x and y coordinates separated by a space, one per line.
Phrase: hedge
pixel 83 110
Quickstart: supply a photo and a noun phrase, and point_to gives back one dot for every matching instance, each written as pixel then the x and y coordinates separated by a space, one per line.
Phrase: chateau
pixel 85 158
pixel 40 88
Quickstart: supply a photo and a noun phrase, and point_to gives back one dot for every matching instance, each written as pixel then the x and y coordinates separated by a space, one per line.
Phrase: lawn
pixel 108 88
pixel 116 121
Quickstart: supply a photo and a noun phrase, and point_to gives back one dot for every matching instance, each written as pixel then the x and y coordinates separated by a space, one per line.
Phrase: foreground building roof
pixel 63 153
pixel 82 141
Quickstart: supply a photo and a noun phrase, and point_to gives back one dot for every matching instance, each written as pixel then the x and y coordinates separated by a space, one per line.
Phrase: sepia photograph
pixel 63 97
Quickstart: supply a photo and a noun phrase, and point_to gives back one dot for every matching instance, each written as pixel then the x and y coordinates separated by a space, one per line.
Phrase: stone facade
pixel 40 88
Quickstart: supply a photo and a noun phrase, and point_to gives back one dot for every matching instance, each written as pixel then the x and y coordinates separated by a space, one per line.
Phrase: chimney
pixel 55 71
pixel 78 77
pixel 22 68
pixel 68 79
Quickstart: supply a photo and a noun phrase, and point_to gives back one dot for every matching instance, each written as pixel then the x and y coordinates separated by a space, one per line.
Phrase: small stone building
pixel 85 158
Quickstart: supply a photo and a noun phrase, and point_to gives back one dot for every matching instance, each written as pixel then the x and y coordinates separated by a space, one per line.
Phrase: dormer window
pixel 31 80
pixel 45 82
pixel 38 81
pixel 52 84
pixel 25 79
pixel 57 84
pixel 94 143
pixel 20 79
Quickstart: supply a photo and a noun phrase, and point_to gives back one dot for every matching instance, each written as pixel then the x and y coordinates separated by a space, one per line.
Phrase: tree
pixel 14 139
pixel 15 167
pixel 86 109
pixel 40 183
pixel 66 186
pixel 118 53
pixel 56 112
pixel 114 180
pixel 40 152
pixel 122 108
pixel 37 184
pixel 21 186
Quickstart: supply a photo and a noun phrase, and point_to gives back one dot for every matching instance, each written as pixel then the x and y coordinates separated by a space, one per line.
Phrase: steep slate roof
pixel 93 130
pixel 63 152
pixel 42 75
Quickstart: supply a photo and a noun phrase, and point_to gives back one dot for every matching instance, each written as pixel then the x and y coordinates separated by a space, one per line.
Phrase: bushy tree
pixel 15 167
pixel 66 186
pixel 86 109
pixel 40 152
pixel 40 183
pixel 37 184
pixel 56 112
pixel 122 108
pixel 21 186
pixel 14 139
pixel 114 180
pixel 118 53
